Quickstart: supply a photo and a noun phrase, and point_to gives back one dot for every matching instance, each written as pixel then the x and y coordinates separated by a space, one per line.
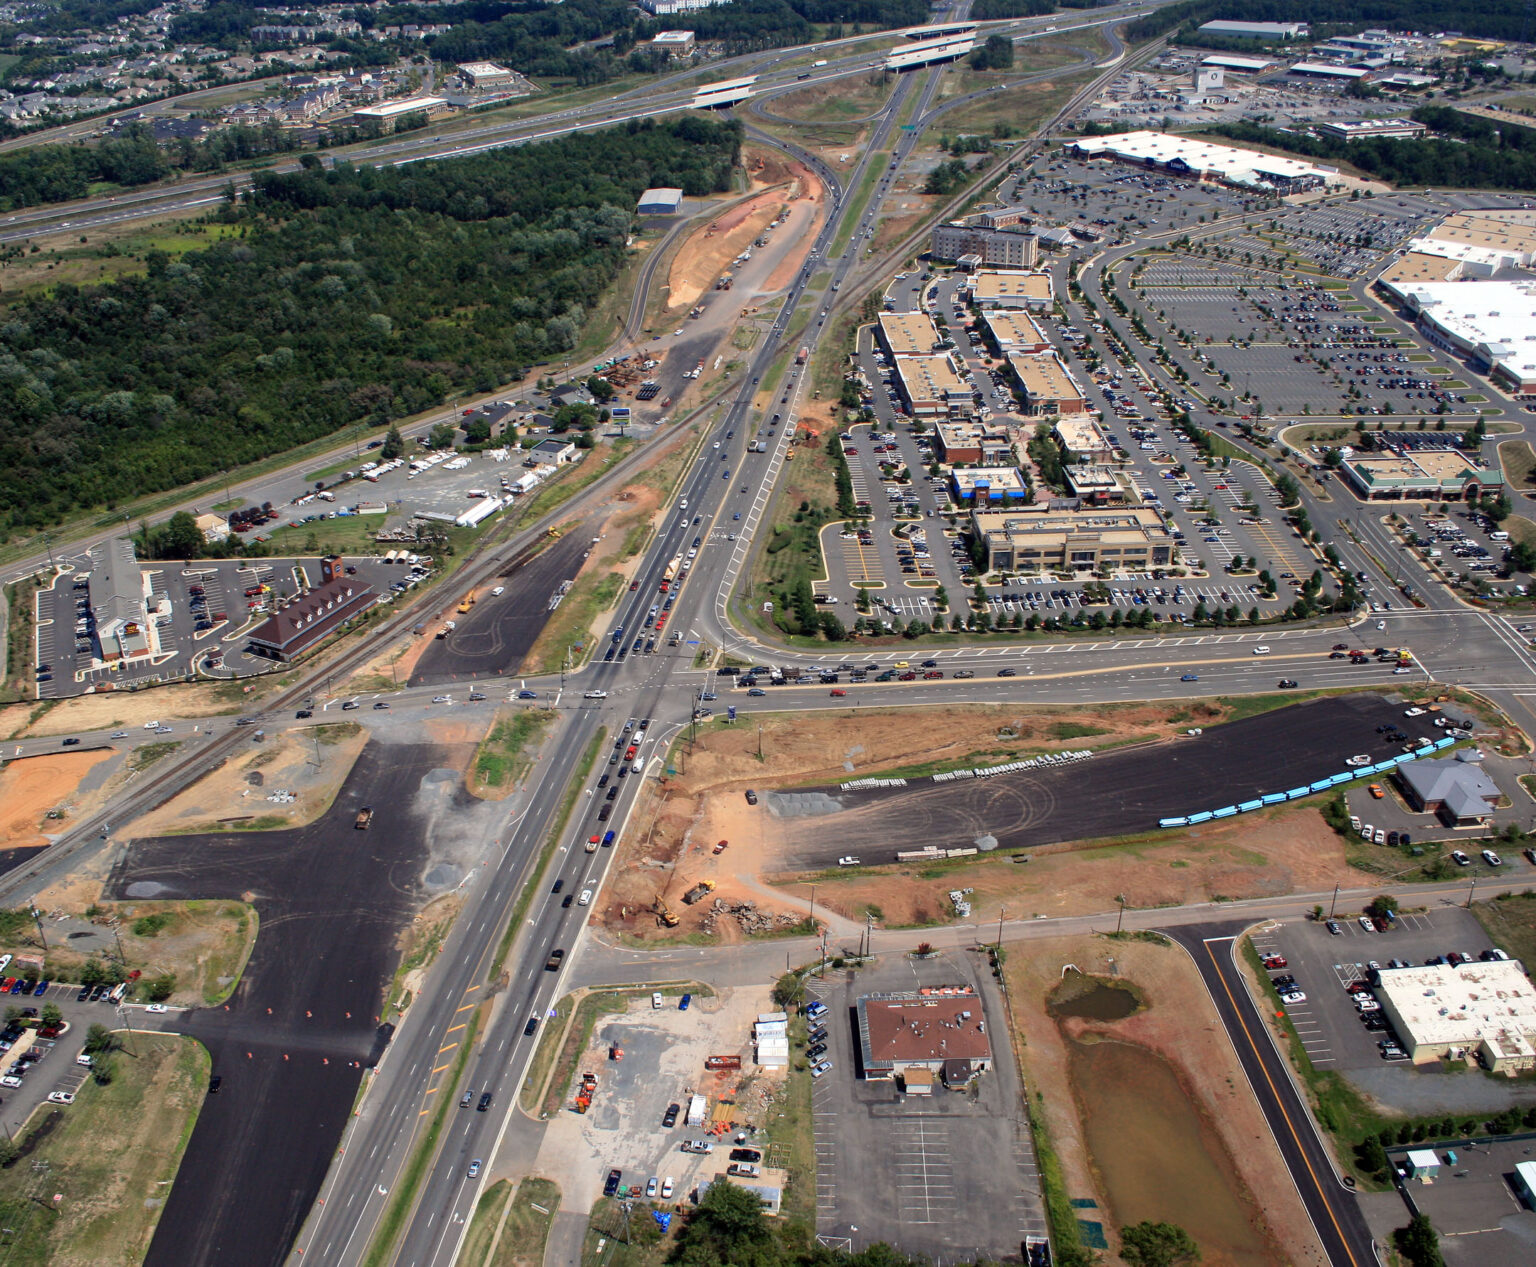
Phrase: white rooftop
pixel 1238 166
pixel 1493 314
pixel 1442 1005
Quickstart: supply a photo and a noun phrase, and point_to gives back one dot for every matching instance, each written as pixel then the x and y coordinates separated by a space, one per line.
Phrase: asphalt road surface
pixel 495 635
pixel 292 1042
pixel 1109 795
pixel 1330 1203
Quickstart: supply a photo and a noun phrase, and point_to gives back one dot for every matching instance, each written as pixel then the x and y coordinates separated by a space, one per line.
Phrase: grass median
pixel 557 829
pixel 403 1197
pixel 503 756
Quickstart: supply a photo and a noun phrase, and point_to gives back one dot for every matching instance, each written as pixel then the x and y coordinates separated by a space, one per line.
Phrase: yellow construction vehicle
pixel 664 913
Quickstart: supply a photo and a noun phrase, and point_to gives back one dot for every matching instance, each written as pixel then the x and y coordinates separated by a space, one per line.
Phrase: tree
pixel 52 1015
pixel 393 445
pixel 442 435
pixel 789 989
pixel 100 1039
pixel 727 1227
pixel 159 988
pixel 1419 1243
pixel 601 388
pixel 1384 905
pixel 183 539
pixel 1522 557
pixel 1150 1244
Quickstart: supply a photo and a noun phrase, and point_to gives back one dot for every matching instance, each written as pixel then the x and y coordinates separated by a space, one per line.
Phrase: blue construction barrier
pixel 1322 785
pixel 1201 817
pixel 1173 822
pixel 1245 806
pixel 1272 798
pixel 1226 811
pixel 1296 793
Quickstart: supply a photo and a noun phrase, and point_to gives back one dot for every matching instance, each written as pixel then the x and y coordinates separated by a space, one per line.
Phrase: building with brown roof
pixel 922 1030
pixel 316 614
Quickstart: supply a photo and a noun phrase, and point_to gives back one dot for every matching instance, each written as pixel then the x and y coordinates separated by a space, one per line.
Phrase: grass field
pixel 1510 922
pixel 110 1156
pixel 836 102
pixel 572 622
pixel 508 1231
pixel 1023 109
pixel 1519 461
pixel 503 755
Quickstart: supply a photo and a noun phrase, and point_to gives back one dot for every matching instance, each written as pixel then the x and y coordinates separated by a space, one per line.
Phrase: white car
pixel 151 725
pixel 594 695
pixel 1367 832
pixel 62 1097
pixel 848 860
pixel 1358 760
pixel 824 1067
pixel 585 898
pixel 1413 712
pixel 1460 859
pixel 1492 859
pixel 155 1007
pixel 442 699
pixel 1381 624
pixel 666 1187
pixel 498 591
pixel 1293 996
pixel 1365 923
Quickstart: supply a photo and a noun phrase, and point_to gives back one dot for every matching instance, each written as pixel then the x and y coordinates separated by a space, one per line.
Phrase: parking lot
pixel 1472 1202
pixel 1333 1030
pixel 48 1065
pixel 202 615
pixel 926 1173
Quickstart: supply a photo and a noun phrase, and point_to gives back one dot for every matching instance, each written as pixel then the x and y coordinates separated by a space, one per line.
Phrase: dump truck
pixel 722 1062
pixel 585 1092
pixel 802 356
pixel 364 818
pixel 670 574
pixel 699 891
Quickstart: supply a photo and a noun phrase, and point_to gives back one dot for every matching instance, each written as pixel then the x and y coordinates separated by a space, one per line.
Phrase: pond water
pixel 1156 1157
pixel 1100 1002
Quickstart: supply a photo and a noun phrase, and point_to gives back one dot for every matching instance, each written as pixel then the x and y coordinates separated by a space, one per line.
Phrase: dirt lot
pixel 663 1062
pixel 235 796
pixel 1283 850
pixel 1180 1025
pixel 127 709
pixel 707 253
pixel 31 787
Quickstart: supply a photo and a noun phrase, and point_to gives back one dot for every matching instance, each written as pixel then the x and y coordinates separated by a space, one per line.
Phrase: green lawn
pixel 502 758
pixel 110 1157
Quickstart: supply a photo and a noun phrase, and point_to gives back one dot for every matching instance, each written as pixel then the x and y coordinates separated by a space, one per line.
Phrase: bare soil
pixel 123 710
pixel 228 799
pixel 31 787
pixel 1180 1025
pixel 671 847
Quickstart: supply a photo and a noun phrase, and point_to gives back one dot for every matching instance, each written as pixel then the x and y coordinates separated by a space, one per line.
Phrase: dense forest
pixel 1495 19
pixel 986 10
pixel 358 294
pixel 1470 153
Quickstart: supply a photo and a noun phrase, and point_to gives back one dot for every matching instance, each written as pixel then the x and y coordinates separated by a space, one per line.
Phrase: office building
pixel 1038 539
pixel 922 1031
pixel 992 288
pixel 929 386
pixel 907 334
pixel 994 248
pixel 1462 1012
pixel 1044 384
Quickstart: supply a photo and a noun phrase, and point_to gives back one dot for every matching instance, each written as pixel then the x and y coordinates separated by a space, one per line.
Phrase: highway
pixel 1450 642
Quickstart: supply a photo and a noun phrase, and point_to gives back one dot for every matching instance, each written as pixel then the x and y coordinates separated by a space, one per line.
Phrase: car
pixel 214 1083
pixel 757 691
pixel 611 1183
pixel 155 1007
pixel 61 1097
pixel 380 705
pixel 751 797
pixel 816 1034
pixel 85 993
pixel 303 713
pixel 651 1185
pixel 669 1118
pixel 1376 790
pixel 485 1103
pixel 838 692
pixel 474 1168
pixel 816 1051
pixel 824 1067
pixel 72 742
pixel 1293 996
pixel 585 898
pixel 348 707
pixel 1275 961
pixel 684 1003
pixel 667 1186
pixel 1007 673
pixel 442 699
pixel 1413 712
pixel 1492 859
pixel 1460 859
pixel 1286 684
pixel 1379 836
pixel 1190 677
pixel 1341 646
pixel 552 964
pixel 559 884
pixel 526 694
pixel 594 695
pixel 1365 923
pixel 1334 927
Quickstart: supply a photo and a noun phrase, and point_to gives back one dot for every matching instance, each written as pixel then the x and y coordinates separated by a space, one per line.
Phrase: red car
pixel 835 693
pixel 1275 961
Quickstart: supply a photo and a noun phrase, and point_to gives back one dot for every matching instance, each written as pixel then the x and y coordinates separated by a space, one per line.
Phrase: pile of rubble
pixel 281 796
pixel 748 916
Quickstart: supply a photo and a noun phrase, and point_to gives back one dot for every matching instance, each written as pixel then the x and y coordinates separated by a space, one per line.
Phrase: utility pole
pixel 1470 892
pixel 759 742
pixel 1332 906
pixel 37 918
pixel 1119 920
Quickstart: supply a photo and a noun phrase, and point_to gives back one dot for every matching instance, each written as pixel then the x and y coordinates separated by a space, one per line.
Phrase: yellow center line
pixel 1290 1126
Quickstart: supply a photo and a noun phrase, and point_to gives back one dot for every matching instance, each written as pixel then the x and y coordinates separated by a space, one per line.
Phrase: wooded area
pixel 1483 155
pixel 358 294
